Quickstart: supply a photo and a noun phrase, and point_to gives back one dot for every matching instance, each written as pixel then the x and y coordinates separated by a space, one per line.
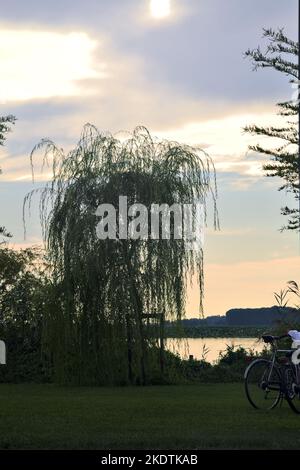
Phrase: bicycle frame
pixel 273 361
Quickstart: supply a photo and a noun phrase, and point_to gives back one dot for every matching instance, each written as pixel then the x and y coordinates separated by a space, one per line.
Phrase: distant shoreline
pixel 217 331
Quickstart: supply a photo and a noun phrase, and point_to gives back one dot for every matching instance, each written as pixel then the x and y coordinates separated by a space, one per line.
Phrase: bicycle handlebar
pixel 282 336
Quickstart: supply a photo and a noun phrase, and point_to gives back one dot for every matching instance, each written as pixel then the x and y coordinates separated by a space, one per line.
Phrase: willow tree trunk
pixel 162 343
pixel 129 349
pixel 138 310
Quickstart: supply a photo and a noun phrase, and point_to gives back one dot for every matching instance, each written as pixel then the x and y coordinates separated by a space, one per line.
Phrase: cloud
pixel 223 138
pixel 14 168
pixel 37 64
pixel 63 80
pixel 227 143
pixel 233 232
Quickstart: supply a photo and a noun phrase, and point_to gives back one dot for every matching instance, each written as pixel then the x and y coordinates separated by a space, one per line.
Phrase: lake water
pixel 214 346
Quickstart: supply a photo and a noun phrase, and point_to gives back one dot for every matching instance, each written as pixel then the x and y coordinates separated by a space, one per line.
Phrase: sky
pixel 178 68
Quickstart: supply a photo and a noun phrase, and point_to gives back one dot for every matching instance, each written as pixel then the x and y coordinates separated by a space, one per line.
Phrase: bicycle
pixel 269 381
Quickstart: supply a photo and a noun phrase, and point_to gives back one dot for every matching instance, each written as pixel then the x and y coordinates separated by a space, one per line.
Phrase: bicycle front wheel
pixel 292 390
pixel 263 384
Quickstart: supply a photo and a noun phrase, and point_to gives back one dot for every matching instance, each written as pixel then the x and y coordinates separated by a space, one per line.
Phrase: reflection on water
pixel 212 346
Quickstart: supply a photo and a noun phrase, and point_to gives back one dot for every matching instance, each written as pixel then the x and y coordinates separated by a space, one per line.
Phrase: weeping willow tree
pixel 96 332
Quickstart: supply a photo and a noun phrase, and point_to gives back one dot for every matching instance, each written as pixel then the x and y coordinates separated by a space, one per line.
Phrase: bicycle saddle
pixel 268 338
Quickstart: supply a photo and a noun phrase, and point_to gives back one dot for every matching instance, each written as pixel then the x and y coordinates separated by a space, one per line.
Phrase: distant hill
pixel 264 316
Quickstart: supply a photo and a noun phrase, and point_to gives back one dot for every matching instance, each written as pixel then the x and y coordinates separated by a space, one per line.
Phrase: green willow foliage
pixel 24 287
pixel 5 126
pixel 95 330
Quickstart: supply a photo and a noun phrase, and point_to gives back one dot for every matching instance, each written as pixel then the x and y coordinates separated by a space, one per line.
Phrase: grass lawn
pixel 161 417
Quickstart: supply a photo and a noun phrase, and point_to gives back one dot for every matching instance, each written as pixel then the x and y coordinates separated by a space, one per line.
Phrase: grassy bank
pixel 191 416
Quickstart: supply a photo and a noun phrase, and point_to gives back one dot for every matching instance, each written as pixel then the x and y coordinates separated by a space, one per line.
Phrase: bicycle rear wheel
pixel 263 384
